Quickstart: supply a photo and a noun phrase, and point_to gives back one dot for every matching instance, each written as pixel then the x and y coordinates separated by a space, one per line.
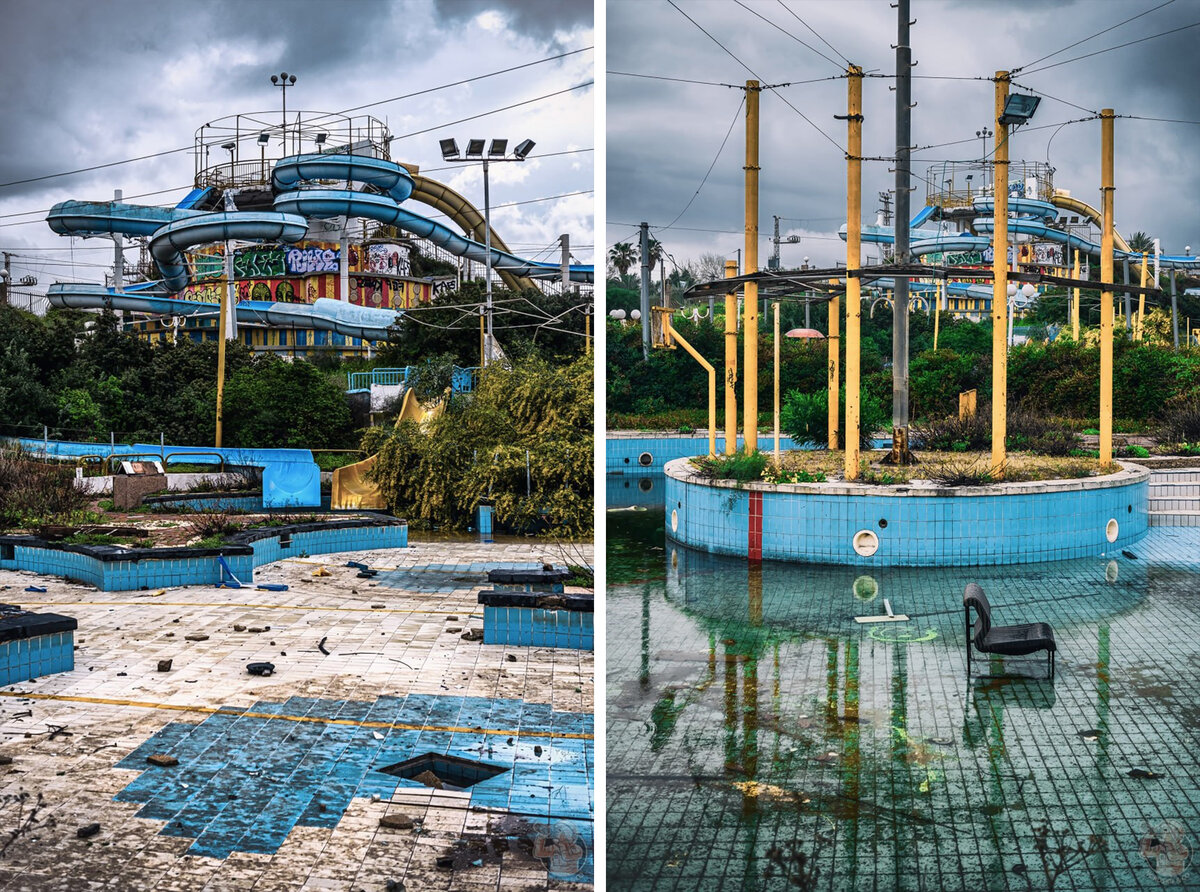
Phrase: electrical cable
pixel 784 31
pixel 1086 39
pixel 716 157
pixel 1117 47
pixel 819 37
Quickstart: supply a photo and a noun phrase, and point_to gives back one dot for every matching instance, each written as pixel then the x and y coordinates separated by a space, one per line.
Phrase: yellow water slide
pixel 1075 206
pixel 466 215
pixel 351 488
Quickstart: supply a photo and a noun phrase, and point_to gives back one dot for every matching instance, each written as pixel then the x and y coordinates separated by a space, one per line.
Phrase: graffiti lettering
pixel 258 263
pixel 388 259
pixel 302 261
pixel 206 293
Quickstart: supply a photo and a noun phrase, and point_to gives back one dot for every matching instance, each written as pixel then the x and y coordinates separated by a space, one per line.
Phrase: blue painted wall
pixel 918 530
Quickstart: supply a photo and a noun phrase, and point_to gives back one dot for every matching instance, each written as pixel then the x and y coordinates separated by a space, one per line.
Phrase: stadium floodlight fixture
pixel 264 138
pixel 475 148
pixel 523 148
pixel 320 138
pixel 449 149
pixel 1019 109
pixel 498 148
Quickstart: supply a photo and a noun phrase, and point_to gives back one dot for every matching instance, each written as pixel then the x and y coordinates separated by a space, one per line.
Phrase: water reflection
pixel 755 721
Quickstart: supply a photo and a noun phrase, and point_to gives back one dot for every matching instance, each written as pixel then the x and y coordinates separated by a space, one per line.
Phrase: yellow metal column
pixel 1138 331
pixel 1075 304
pixel 831 340
pixel 750 302
pixel 731 425
pixel 853 261
pixel 776 305
pixel 937 310
pixel 1000 284
pixel 1106 279
pixel 587 333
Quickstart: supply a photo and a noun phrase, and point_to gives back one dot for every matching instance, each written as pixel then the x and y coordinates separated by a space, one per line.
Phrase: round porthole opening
pixel 626 459
pixel 883 523
pixel 645 484
pixel 645 459
pixel 674 520
pixel 1112 571
pixel 866 543
pixel 1111 530
pixel 865 588
pixel 674 559
pixel 1128 509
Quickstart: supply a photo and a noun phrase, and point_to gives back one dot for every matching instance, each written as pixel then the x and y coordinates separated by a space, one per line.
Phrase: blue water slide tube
pixel 1033 216
pixel 322 315
pixel 923 241
pixel 168 243
pixel 397 184
pixel 111 217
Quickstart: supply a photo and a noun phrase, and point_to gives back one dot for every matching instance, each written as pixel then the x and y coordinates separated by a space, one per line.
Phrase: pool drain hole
pixel 443 772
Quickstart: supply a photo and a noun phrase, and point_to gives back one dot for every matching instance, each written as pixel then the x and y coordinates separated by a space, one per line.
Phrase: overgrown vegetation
pixel 1155 389
pixel 522 442
pixel 743 466
pixel 83 383
pixel 34 492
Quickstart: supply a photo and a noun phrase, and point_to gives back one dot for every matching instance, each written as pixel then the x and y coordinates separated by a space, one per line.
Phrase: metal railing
pixel 462 380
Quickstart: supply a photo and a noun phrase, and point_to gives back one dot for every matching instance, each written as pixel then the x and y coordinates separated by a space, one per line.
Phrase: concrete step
pixel 1181 490
pixel 1170 504
pixel 1175 475
pixel 1175 518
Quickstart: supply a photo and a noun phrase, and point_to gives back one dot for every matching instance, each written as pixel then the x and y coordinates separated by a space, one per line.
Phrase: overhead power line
pixel 737 114
pixel 1092 36
pixel 784 31
pixel 1111 48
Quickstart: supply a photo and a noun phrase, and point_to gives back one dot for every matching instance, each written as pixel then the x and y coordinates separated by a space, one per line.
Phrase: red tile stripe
pixel 755 531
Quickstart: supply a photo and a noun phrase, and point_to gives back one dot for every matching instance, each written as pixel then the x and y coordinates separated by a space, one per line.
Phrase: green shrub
pixel 743 466
pixel 954 434
pixel 1031 432
pixel 805 417
pixel 34 492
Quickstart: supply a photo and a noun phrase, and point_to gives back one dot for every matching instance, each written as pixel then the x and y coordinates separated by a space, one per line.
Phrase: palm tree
pixel 622 256
pixel 656 253
pixel 1139 242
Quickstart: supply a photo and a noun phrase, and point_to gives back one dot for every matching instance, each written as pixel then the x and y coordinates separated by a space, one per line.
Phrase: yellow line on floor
pixel 154 602
pixel 221 710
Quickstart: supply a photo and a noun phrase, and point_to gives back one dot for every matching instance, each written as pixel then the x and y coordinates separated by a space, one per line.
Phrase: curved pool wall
pixel 624 451
pixel 917 525
pixel 111 568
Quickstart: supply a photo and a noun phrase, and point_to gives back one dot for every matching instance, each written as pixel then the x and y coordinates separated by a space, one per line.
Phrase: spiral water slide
pixel 174 230
pixel 394 185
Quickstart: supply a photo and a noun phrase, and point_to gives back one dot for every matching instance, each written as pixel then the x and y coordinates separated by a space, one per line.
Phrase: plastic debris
pixel 321 571
pixel 260 668
pixel 35 588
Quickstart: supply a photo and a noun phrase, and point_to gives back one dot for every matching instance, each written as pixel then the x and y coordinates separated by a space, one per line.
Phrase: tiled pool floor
pixel 759 738
pixel 279 783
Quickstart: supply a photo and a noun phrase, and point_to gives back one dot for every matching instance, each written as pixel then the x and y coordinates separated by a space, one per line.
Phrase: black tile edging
pixel 240 543
pixel 580 603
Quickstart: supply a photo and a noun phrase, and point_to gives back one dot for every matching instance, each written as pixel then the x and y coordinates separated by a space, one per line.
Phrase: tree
pixel 622 256
pixel 1140 243
pixel 708 267
pixel 655 253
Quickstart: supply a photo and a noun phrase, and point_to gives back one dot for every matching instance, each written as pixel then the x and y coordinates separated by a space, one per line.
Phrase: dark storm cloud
pixel 663 135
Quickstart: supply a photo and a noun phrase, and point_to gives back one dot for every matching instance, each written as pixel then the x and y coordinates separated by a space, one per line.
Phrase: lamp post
pixel 231 148
pixel 984 134
pixel 497 151
pixel 283 80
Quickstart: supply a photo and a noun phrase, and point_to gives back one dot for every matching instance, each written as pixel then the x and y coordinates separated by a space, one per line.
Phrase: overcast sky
pixel 89 83
pixel 663 135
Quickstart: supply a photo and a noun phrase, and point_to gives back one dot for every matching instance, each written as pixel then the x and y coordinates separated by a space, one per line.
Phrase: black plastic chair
pixel 1012 641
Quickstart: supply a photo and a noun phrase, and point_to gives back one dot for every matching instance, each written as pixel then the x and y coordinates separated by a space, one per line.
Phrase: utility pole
pixel 5 278
pixel 886 199
pixel 900 454
pixel 118 260
pixel 1107 210
pixel 662 278
pixel 731 271
pixel 645 296
pixel 1174 313
pixel 1000 283
pixel 773 263
pixel 565 241
pixel 854 122
pixel 750 305
pixel 1128 303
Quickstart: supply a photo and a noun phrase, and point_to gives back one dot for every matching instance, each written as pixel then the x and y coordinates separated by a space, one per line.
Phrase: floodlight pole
pixel 1000 282
pixel 1107 195
pixel 854 122
pixel 489 340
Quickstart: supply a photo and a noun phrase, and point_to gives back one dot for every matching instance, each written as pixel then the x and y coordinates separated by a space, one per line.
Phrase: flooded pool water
pixel 760 738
